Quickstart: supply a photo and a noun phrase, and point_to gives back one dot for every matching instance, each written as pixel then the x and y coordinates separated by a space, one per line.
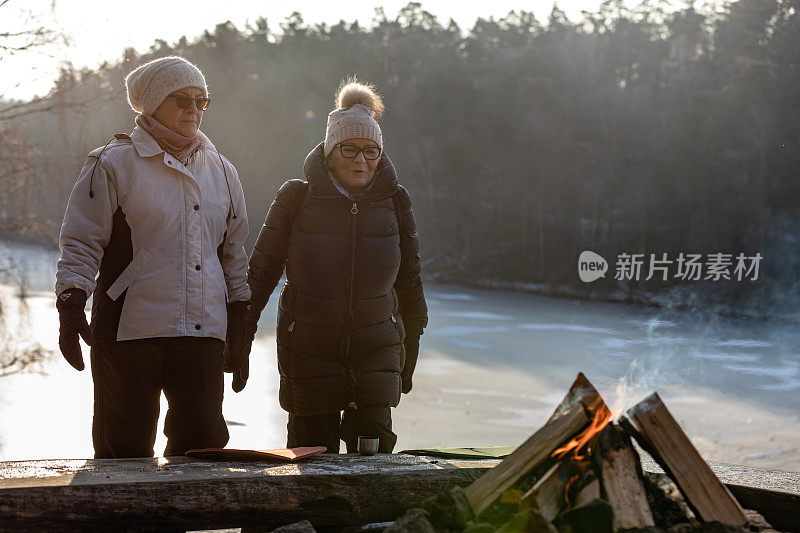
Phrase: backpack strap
pixel 117 137
pixel 397 211
pixel 297 204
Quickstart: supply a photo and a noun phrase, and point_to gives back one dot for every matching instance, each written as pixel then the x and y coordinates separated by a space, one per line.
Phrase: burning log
pixel 548 495
pixel 580 472
pixel 582 392
pixel 660 435
pixel 621 473
pixel 581 404
pixel 532 453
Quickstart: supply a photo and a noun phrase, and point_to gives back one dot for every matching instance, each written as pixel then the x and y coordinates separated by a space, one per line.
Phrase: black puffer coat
pixel 352 277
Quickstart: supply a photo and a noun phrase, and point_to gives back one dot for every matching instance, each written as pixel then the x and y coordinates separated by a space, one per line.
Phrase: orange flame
pixel 601 419
pixel 568 486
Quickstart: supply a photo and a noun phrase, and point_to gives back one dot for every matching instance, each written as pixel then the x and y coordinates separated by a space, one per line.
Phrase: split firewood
pixel 591 491
pixel 530 454
pixel 582 392
pixel 548 495
pixel 668 505
pixel 621 473
pixel 660 435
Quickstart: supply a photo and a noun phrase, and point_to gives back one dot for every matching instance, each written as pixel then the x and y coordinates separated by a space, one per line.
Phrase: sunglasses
pixel 201 102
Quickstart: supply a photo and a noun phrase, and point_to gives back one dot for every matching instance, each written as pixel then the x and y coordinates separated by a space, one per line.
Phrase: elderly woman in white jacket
pixel 160 215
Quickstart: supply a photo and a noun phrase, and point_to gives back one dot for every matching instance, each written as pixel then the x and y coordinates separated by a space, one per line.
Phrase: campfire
pixel 581 472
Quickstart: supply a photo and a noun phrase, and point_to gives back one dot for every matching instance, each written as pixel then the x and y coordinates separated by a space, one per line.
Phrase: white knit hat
pixel 355 117
pixel 151 83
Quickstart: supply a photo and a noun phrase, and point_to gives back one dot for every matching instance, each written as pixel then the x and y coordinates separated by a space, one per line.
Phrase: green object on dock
pixel 484 452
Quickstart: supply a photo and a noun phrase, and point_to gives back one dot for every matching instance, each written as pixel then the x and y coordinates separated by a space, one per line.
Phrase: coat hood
pixel 384 183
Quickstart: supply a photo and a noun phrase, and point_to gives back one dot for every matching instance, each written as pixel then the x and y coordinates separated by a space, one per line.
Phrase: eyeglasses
pixel 350 151
pixel 183 101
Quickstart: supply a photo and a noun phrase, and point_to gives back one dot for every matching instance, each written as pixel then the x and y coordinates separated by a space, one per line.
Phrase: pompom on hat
pixel 358 107
pixel 148 85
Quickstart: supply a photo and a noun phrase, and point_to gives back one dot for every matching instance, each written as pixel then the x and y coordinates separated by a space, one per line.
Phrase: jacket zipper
pixel 294 298
pixel 354 212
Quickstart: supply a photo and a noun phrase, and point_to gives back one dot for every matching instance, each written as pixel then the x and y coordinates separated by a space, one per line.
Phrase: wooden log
pixel 591 491
pixel 582 392
pixel 548 495
pixel 179 494
pixel 530 454
pixel 773 493
pixel 621 473
pixel 660 435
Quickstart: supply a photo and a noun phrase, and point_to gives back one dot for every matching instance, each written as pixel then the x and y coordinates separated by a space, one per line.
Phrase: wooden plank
pixel 773 493
pixel 780 509
pixel 621 474
pixel 184 486
pixel 179 494
pixel 548 494
pixel 659 434
pixel 532 453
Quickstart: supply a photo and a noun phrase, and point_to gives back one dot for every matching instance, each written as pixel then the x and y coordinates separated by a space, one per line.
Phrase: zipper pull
pixel 354 209
pixel 394 319
pixel 291 327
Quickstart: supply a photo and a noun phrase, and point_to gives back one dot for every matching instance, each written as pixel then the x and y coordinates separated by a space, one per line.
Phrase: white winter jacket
pixel 154 230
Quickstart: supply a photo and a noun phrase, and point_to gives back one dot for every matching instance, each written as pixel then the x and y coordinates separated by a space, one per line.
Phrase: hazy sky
pixel 99 30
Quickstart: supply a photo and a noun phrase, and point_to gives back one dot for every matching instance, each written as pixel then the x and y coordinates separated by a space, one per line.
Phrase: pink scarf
pixel 173 143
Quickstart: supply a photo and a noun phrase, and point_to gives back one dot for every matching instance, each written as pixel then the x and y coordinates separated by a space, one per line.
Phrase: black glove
pixel 414 328
pixel 240 376
pixel 411 345
pixel 239 339
pixel 72 322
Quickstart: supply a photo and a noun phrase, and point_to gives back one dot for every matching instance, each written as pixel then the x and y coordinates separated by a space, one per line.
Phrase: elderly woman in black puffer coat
pixel 352 310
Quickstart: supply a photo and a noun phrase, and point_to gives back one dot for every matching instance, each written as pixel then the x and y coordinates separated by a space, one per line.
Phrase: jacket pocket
pixel 398 326
pixel 135 269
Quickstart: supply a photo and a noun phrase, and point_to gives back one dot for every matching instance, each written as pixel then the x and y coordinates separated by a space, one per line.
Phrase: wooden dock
pixel 334 492
pixel 179 494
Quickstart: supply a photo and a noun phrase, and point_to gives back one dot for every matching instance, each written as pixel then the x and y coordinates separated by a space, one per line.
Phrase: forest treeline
pixel 523 142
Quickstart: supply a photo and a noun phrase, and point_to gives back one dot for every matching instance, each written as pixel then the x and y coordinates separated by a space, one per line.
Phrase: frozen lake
pixel 493 365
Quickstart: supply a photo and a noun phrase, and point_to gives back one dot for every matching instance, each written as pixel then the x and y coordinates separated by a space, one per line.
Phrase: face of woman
pixel 185 121
pixel 355 174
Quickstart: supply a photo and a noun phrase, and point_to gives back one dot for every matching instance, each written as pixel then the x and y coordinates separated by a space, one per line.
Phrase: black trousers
pixel 327 429
pixel 128 379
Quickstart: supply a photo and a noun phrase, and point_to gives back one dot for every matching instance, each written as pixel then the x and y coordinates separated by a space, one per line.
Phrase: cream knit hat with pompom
pixel 151 83
pixel 358 107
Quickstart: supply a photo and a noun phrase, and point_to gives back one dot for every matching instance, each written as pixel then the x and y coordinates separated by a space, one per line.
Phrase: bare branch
pixel 37 33
pixel 28 108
